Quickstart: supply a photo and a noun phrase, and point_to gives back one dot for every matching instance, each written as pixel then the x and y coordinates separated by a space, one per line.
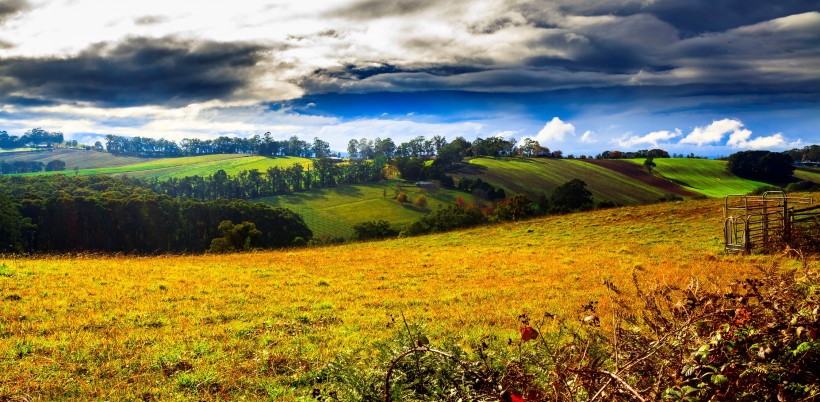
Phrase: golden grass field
pixel 260 325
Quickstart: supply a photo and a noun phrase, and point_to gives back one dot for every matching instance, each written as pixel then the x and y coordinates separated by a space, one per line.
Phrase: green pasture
pixel 807 173
pixel 536 176
pixel 204 165
pixel 78 158
pixel 332 212
pixel 705 176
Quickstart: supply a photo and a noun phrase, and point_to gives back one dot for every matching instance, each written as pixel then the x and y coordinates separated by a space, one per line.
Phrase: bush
pixel 514 208
pixel 377 229
pixel 402 197
pixel 763 189
pixel 421 201
pixel 803 186
pixel 446 218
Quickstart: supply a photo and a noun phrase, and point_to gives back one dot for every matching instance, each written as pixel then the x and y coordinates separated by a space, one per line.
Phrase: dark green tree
pixel 55 166
pixel 773 167
pixel 242 236
pixel 10 226
pixel 572 196
pixel 649 163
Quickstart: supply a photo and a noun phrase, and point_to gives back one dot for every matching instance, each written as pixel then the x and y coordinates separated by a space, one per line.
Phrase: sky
pixel 689 76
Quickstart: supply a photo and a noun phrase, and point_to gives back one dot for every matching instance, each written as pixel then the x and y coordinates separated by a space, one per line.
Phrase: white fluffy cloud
pixel 588 137
pixel 739 136
pixel 554 131
pixel 652 138
pixel 742 139
pixel 713 132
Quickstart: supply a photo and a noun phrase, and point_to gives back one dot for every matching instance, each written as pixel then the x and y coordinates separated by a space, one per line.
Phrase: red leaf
pixel 515 397
pixel 528 333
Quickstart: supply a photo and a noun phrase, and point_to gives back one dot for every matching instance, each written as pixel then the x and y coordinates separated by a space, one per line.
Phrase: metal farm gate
pixel 759 222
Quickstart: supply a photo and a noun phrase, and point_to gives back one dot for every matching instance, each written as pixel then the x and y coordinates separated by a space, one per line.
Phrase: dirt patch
pixel 639 173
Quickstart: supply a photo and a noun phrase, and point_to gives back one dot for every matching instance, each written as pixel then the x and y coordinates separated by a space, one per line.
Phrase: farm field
pixel 73 158
pixel 166 168
pixel 332 212
pixel 807 173
pixel 536 176
pixel 263 325
pixel 705 176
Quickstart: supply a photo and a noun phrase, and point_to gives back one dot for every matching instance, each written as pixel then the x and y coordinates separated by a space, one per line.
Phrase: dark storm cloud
pixel 699 16
pixel 9 8
pixel 137 71
pixel 370 9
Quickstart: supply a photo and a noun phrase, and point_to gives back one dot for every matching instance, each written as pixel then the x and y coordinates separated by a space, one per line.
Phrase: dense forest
pixel 100 213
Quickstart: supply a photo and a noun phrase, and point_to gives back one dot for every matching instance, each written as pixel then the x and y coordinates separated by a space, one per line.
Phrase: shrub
pixel 514 208
pixel 803 186
pixel 402 197
pixel 377 229
pixel 421 201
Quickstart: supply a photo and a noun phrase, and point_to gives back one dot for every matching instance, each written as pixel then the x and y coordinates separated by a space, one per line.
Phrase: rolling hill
pixel 536 176
pixel 705 176
pixel 332 212
pixel 73 158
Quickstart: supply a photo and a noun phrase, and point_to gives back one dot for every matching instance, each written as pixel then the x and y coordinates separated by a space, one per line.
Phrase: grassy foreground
pixel 262 325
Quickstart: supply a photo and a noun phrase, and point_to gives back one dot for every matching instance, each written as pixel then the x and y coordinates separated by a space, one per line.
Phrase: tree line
pixel 321 173
pixel 31 138
pixel 31 166
pixel 99 213
pixel 265 145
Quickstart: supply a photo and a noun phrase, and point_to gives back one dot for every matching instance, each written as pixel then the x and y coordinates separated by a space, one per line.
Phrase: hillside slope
pixel 705 176
pixel 536 176
pixel 73 158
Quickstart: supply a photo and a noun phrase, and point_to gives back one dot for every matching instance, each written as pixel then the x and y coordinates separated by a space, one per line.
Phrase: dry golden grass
pixel 261 325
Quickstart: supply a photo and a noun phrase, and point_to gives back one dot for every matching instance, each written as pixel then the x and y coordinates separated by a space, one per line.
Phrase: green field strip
pixel 704 176
pixel 533 177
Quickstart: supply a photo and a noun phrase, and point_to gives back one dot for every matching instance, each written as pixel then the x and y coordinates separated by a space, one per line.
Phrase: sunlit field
pixel 205 165
pixel 332 212
pixel 705 176
pixel 262 325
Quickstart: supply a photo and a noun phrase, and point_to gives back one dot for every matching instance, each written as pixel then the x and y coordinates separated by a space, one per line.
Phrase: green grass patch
pixel 333 212
pixel 704 176
pixel 808 173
